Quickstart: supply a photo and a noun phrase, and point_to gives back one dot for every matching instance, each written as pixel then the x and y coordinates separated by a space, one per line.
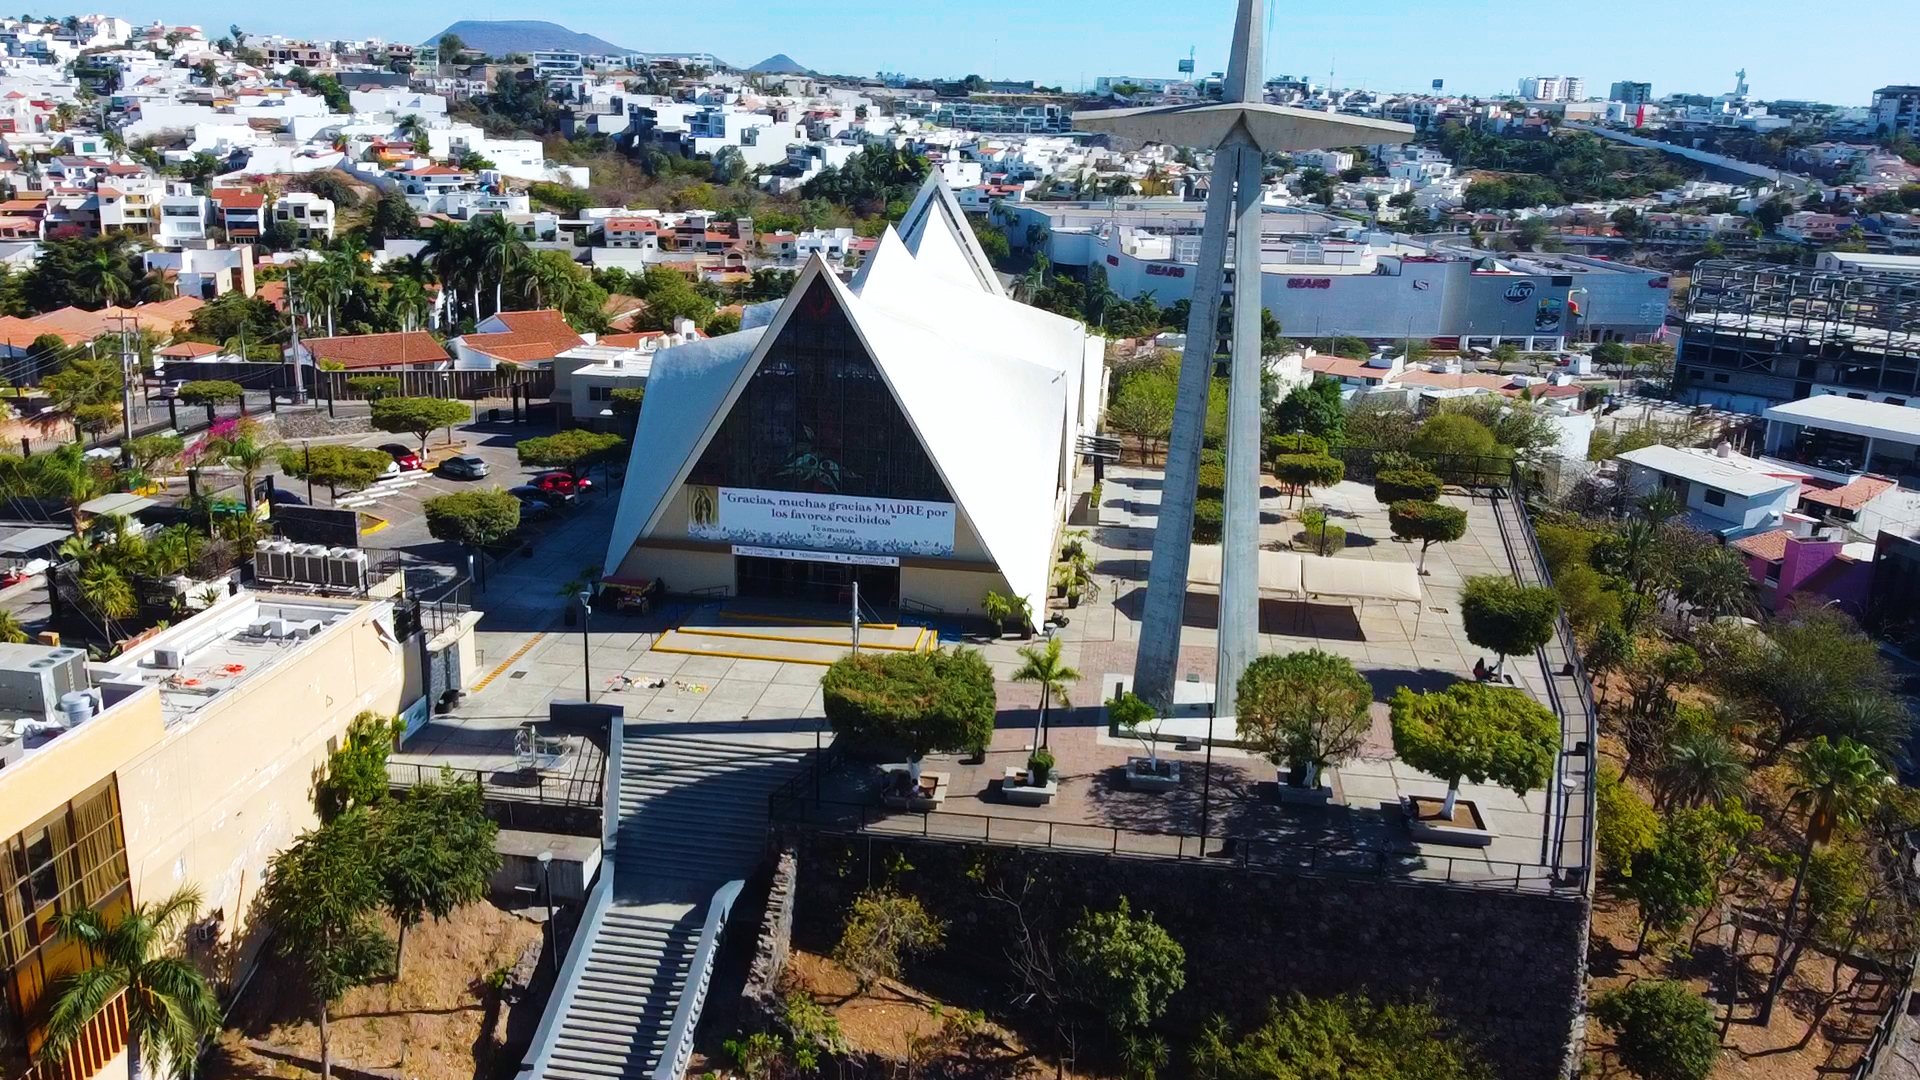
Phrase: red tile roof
pixel 1853 495
pixel 236 199
pixel 377 350
pixel 530 336
pixel 187 350
pixel 1771 546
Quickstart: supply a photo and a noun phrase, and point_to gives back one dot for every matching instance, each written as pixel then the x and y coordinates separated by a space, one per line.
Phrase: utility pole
pixel 128 365
pixel 856 616
pixel 293 321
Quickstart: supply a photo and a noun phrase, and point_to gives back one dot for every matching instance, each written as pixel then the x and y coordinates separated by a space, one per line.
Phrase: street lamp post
pixel 586 639
pixel 553 928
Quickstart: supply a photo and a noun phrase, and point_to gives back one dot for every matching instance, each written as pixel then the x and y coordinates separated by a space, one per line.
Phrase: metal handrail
pixel 686 1016
pixel 1251 853
pixel 572 972
pixel 583 790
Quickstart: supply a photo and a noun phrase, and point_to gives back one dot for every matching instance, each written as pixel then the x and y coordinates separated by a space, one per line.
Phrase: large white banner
pixel 794 519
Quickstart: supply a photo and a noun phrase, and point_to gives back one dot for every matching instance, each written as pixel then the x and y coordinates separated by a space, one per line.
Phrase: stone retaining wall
pixel 1507 967
pixel 760 997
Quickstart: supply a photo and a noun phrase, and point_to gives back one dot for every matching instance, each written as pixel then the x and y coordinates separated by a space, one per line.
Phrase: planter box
pixel 1142 777
pixel 931 793
pixel 1291 793
pixel 1018 791
pixel 1467 829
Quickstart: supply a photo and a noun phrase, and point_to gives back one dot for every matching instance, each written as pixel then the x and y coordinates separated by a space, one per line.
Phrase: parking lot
pixel 402 524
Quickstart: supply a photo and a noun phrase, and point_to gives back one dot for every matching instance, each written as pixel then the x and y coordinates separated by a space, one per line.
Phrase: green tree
pixel 883 928
pixel 1461 449
pixel 349 467
pixel 1143 408
pixel 320 898
pixel 435 849
pixel 356 773
pixel 1702 767
pixel 1042 664
pixel 156 454
pixel 627 401
pixel 1677 875
pixel 1303 472
pixel 1124 966
pixel 1314 408
pixel 1510 618
pixel 392 218
pixel 472 518
pixel 1428 522
pixel 1477 732
pixel 1306 709
pixel 170 1007
pixel 417 416
pixel 574 449
pixel 1663 1030
pixel 1339 1038
pixel 1839 784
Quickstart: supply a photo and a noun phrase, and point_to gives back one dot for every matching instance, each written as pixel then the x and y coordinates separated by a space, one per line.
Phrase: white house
pixel 1725 493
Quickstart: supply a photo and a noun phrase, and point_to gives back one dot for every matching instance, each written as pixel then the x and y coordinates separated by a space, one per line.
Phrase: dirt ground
pixel 426 1026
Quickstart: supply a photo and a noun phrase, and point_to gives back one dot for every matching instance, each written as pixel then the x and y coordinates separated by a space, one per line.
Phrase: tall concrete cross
pixel 1241 129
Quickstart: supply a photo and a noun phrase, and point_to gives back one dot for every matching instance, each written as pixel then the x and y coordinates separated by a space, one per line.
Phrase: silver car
pixel 464 467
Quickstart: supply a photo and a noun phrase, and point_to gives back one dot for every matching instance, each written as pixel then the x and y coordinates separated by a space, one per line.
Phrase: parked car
pixel 534 503
pixel 561 482
pixel 168 390
pixel 282 497
pixel 403 457
pixel 464 467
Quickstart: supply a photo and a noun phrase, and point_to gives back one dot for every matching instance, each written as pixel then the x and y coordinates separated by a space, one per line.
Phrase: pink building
pixel 1794 566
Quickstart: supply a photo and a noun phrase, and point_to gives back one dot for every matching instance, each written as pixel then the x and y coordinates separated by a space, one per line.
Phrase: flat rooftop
pixel 1736 473
pixel 1854 416
pixel 237 640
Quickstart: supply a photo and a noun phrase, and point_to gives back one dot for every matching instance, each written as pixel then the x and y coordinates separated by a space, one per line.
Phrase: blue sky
pixel 1839 54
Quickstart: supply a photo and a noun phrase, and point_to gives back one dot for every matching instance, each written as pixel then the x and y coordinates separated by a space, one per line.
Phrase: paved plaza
pixel 530 657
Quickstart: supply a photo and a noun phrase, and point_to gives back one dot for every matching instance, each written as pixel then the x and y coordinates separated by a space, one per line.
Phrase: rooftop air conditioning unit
pixel 171 659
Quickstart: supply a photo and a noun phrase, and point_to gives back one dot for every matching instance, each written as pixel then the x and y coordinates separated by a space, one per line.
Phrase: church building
pixel 913 430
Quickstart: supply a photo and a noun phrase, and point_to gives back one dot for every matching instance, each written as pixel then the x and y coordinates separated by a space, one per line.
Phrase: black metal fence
pixel 519 786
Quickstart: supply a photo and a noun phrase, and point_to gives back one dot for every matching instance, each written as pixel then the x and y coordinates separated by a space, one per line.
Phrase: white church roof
pixel 989 385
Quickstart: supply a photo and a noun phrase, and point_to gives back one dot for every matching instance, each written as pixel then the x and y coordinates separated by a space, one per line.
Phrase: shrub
pixel 1627 825
pixel 1347 1036
pixel 1428 522
pixel 882 929
pixel 1213 481
pixel 210 392
pixel 1213 457
pixel 1208 517
pixel 1298 443
pixel 572 449
pixel 926 702
pixel 1663 1031
pixel 1124 967
pixel 417 416
pixel 1040 766
pixel 374 387
pixel 1400 485
pixel 1308 470
pixel 1320 536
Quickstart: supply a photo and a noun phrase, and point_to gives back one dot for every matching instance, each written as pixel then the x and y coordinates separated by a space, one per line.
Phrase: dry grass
pixel 427 1026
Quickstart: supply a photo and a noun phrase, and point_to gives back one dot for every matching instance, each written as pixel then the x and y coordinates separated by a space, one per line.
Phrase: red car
pixel 561 483
pixel 403 457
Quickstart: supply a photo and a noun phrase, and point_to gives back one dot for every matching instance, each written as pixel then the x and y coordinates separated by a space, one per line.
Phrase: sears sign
pixel 1519 292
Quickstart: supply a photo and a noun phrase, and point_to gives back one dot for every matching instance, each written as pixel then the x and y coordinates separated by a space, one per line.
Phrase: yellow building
pixel 190 760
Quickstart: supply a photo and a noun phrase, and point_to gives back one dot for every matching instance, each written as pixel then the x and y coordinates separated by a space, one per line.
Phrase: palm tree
pixel 1702 767
pixel 1839 783
pixel 101 279
pixel 406 302
pixel 1876 721
pixel 1044 666
pixel 499 248
pixel 170 1007
pixel 247 458
pixel 449 250
pixel 414 131
pixel 69 474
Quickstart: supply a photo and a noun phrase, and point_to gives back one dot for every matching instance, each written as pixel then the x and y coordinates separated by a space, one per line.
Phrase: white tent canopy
pixel 1315 575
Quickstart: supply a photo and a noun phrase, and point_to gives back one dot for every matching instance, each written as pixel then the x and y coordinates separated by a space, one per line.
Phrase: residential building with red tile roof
pixel 408 351
pixel 527 338
pixel 76 325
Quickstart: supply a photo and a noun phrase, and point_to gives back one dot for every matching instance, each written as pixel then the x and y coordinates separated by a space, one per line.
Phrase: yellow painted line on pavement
pixel 508 662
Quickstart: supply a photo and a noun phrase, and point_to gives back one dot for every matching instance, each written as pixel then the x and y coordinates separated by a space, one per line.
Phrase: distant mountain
pixel 778 64
pixel 523 36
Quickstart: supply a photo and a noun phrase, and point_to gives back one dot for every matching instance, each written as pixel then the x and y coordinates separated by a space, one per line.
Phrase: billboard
pixel 819 521
pixel 1186 67
pixel 1437 84
pixel 1512 305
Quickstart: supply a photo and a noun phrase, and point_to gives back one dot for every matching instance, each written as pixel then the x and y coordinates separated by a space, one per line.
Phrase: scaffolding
pixel 1848 329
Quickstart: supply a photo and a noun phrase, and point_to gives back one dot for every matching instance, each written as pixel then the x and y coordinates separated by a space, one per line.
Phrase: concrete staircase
pixel 692 818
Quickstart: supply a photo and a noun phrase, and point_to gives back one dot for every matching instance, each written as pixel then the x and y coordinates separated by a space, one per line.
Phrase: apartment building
pixel 189 759
pixel 1896 109
pixel 309 215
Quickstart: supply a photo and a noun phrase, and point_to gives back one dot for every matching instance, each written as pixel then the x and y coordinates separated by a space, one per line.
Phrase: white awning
pixel 1279 570
pixel 1314 575
pixel 1361 580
